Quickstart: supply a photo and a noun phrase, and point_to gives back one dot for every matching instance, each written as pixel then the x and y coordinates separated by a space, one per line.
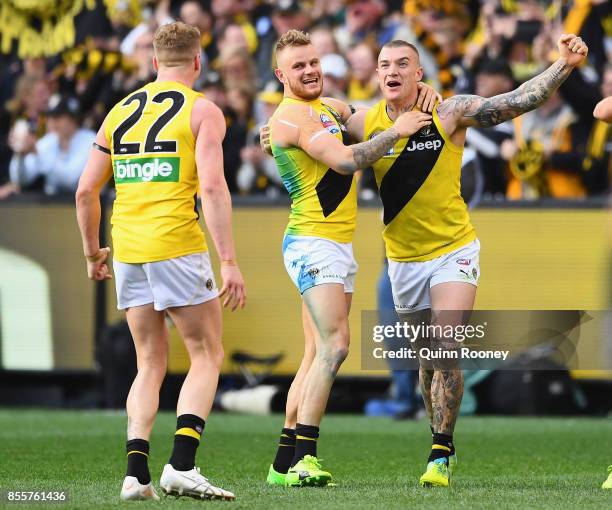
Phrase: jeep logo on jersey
pixel 146 170
pixel 429 144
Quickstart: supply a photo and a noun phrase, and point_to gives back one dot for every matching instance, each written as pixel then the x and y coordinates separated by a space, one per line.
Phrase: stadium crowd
pixel 51 107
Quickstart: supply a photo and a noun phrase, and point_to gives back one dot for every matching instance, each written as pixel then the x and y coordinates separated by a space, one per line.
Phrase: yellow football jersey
pixel 419 182
pixel 155 215
pixel 323 202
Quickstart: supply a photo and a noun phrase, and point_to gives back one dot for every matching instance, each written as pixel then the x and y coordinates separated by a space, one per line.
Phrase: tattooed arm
pixel 301 127
pixel 460 112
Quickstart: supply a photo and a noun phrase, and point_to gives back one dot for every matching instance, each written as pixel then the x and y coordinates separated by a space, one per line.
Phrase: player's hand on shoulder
pixel 97 269
pixel 427 97
pixel 409 123
pixel 573 49
pixel 264 139
pixel 233 286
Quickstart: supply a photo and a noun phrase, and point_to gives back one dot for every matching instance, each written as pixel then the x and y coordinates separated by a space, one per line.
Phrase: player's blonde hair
pixel 289 39
pixel 176 44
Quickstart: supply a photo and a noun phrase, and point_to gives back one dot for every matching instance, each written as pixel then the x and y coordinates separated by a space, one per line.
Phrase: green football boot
pixel 437 474
pixel 275 478
pixel 608 483
pixel 307 473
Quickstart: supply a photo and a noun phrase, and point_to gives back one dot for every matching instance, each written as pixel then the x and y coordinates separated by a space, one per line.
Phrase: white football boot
pixel 133 490
pixel 190 483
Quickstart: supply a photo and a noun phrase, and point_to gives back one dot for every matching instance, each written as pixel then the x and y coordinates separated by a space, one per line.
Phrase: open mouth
pixel 310 81
pixel 393 84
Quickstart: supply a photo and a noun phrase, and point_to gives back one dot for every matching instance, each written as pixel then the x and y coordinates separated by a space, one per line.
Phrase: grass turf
pixel 503 462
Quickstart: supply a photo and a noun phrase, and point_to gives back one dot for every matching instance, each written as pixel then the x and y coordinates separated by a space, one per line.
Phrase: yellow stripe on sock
pixel 136 451
pixel 440 447
pixel 306 438
pixel 186 431
pixel 285 435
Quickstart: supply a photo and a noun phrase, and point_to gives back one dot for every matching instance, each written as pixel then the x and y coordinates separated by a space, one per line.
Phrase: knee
pixel 334 352
pixel 207 352
pixel 155 363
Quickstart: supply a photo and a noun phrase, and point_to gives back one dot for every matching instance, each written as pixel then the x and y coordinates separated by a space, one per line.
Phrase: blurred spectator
pixel 143 60
pixel 258 174
pixel 237 68
pixel 335 76
pixel 30 100
pixel 193 13
pixel 323 40
pixel 363 86
pixel 365 21
pixel 494 146
pixel 544 144
pixel 236 130
pixel 240 101
pixel 286 14
pixel 58 158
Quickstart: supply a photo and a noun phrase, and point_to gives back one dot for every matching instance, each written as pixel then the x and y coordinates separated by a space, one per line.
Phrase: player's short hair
pixel 290 39
pixel 399 43
pixel 176 44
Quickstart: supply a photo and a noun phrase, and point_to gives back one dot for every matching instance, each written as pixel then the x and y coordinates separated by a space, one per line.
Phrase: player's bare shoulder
pixel 204 114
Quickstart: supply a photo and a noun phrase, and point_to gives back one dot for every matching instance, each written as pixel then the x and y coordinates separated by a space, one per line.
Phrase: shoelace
pixel 205 479
pixel 313 461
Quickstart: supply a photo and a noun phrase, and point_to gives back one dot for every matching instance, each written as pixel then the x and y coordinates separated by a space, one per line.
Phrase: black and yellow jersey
pixel 153 156
pixel 323 202
pixel 419 183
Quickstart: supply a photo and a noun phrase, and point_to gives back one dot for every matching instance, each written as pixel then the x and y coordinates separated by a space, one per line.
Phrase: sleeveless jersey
pixel 323 202
pixel 419 182
pixel 155 215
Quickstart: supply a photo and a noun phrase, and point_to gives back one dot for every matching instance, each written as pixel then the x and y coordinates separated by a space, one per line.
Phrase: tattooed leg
pixel 425 381
pixel 446 395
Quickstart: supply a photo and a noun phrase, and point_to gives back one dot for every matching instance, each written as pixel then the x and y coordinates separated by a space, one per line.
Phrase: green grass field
pixel 503 462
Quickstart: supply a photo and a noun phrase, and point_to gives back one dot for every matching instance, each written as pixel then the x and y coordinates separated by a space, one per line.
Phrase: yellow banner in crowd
pixel 42 28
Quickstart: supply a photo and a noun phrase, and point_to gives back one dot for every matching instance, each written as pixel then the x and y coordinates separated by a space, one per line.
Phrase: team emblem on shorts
pixel 313 271
pixel 209 284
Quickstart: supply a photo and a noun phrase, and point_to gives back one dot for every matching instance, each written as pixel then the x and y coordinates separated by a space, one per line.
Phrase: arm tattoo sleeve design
pixel 366 153
pixel 487 112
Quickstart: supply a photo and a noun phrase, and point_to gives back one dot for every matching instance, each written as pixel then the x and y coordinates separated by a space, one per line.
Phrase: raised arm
pixel 216 200
pixel 460 112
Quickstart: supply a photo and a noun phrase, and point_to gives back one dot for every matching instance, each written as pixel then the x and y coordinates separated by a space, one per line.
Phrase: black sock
pixel 441 447
pixel 452 452
pixel 305 442
pixel 189 428
pixel 138 460
pixel 285 452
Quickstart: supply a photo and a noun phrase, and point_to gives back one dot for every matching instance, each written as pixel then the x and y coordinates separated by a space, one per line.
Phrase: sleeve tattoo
pixel 486 112
pixel 367 153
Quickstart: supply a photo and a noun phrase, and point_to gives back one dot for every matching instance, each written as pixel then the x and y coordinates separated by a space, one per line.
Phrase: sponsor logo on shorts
pixel 313 271
pixel 209 284
pixel 146 170
pixel 464 262
pixel 407 307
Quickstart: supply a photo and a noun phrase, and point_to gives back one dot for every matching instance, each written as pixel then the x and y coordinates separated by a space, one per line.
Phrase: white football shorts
pixel 312 261
pixel 411 281
pixel 180 281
